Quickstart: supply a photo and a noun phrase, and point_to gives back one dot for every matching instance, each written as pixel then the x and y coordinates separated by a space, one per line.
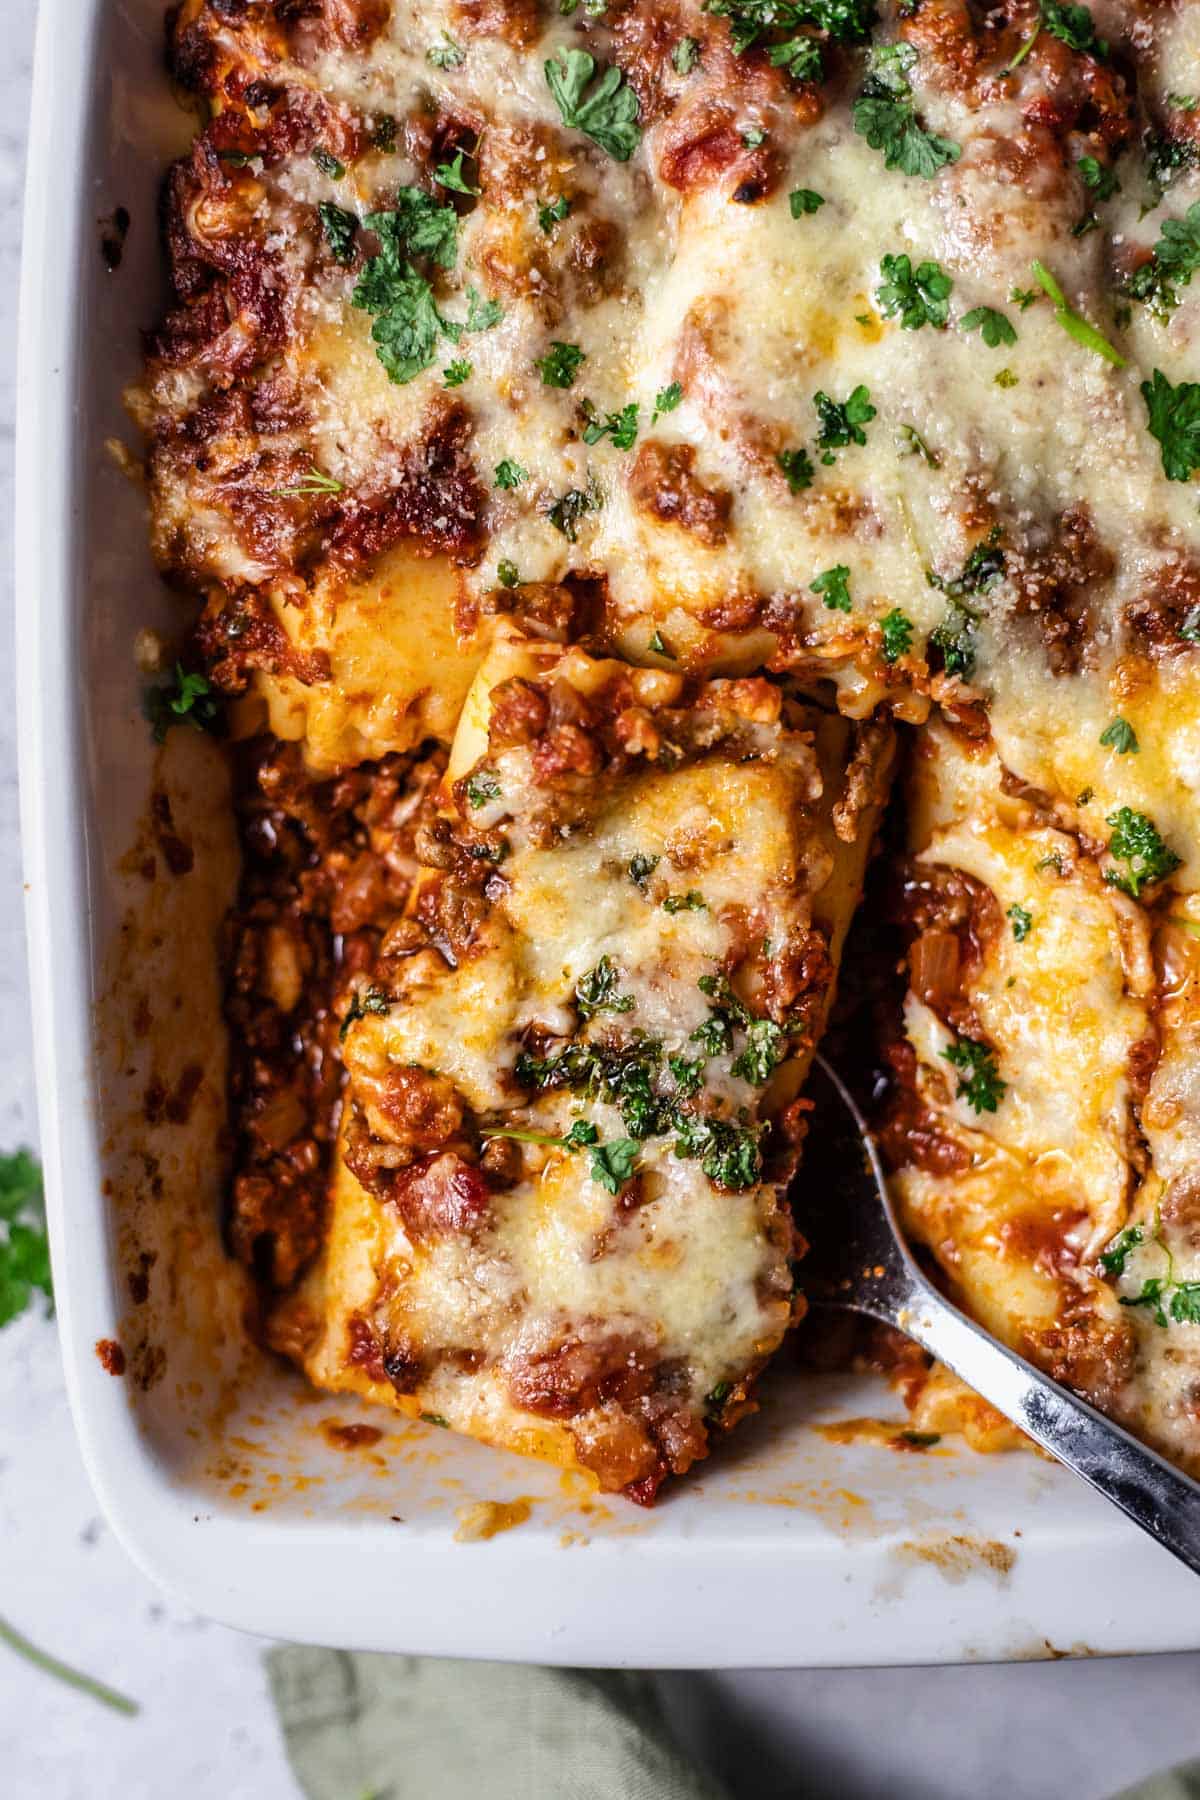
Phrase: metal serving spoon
pixel 858 1261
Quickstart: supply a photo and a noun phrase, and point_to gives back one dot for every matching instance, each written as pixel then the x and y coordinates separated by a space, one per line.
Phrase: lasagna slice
pixel 1043 1107
pixel 558 1218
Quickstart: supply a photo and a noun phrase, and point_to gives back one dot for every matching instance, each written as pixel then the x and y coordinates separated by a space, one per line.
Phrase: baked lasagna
pixel 593 436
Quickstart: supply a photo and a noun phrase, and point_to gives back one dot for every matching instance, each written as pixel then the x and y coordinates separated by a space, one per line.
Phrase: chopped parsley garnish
pixel 560 365
pixel 797 466
pixel 1183 102
pixel 984 566
pixel 992 325
pixel 714 1401
pixel 846 21
pixel 1175 421
pixel 754 137
pixel 446 55
pixel 842 421
pixel 804 201
pixel 766 1047
pixel 383 138
pixel 641 868
pixel 834 585
pixel 482 314
pixel 452 175
pixel 608 114
pixel 666 400
pixel 692 901
pixel 897 629
pixel 315 482
pixel 509 474
pixel 1074 25
pixel 1173 261
pixel 328 164
pixel 685 55
pixel 553 212
pixel 429 1418
pixel 1189 631
pixel 363 1001
pixel 612 1165
pixel 1024 297
pixel 1005 379
pixel 581 1136
pixel 687 1073
pixel 921 296
pixel 884 114
pixel 567 511
pixel 1075 326
pixel 909 442
pixel 1120 736
pixel 1021 920
pixel 597 991
pixel 954 641
pixel 24 1250
pixel 187 700
pixel 1116 1256
pixel 340 228
pixel 507 574
pixel 979 1082
pixel 482 787
pixel 1100 182
pixel 728 1154
pixel 1137 844
pixel 658 644
pixel 407 323
pixel 621 427
pixel 455 373
pixel 800 56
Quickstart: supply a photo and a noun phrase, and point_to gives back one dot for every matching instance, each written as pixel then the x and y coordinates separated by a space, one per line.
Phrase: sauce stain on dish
pixel 111 1355
pixel 350 1437
pixel 883 1432
pixel 957 1558
pixel 486 1519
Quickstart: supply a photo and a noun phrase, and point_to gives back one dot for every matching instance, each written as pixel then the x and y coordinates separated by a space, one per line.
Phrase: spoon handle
pixel 1159 1498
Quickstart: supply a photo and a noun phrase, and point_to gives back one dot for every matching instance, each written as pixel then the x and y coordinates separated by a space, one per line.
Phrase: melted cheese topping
pixel 1001 520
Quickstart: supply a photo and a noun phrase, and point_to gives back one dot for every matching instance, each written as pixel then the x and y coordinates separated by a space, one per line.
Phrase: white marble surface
pixel 206 1732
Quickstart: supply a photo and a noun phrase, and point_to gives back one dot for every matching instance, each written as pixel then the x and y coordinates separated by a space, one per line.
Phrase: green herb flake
pixel 834 586
pixel 1100 182
pixel 608 114
pixel 1120 736
pixel 1005 379
pixel 1137 844
pixel 1172 263
pixel 452 175
pixel 1021 920
pixel 567 511
pixel 666 400
pixel 482 787
pixel 765 1049
pixel 446 55
pixel 188 699
pixel 797 467
pixel 993 326
pixel 24 1248
pixel 621 427
pixel 429 1418
pixel 507 574
pixel 979 1082
pixel 597 992
pixel 897 630
pixel 1076 327
pixel 1113 1259
pixel 685 55
pixel 328 164
pixel 803 202
pixel 340 228
pixel 612 1165
pixel 920 295
pixel 884 114
pixel 1174 419
pixel 509 474
pixel 455 373
pixel 641 868
pixel 363 1002
pixel 692 901
pixel 842 422
pixel 560 365
pixel 553 212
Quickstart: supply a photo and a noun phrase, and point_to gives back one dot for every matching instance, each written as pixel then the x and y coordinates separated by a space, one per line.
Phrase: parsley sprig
pixel 604 109
pixel 1135 841
pixel 1174 419
pixel 979 1082
pixel 187 699
pixel 1173 261
pixel 885 115
pixel 24 1250
pixel 920 295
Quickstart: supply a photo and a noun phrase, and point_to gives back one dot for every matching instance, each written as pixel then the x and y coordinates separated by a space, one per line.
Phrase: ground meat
pixel 664 483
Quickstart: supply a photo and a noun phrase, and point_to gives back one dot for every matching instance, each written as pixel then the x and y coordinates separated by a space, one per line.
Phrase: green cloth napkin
pixel 412 1728
pixel 395 1727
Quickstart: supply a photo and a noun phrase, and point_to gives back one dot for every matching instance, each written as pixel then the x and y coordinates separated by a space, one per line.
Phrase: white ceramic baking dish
pixel 219 1471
